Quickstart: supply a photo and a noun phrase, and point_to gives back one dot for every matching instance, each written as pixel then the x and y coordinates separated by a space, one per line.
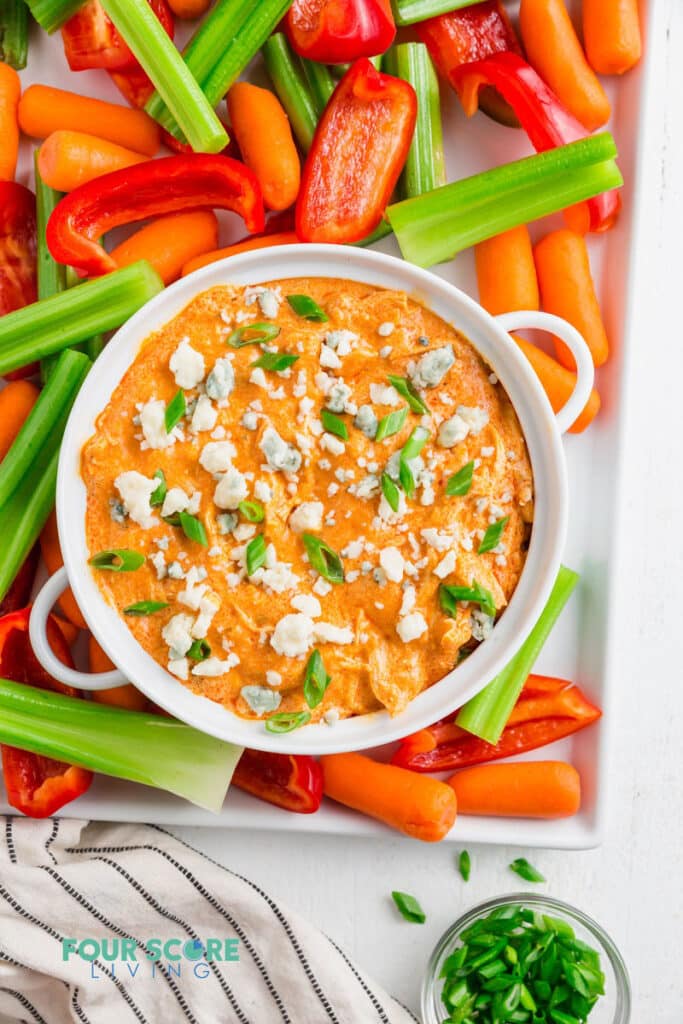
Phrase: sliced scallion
pixel 334 424
pixel 415 443
pixel 464 865
pixel 287 721
pixel 525 870
pixel 392 423
pixel 252 511
pixel 323 558
pixel 409 908
pixel 307 308
pixel 175 410
pixel 199 650
pixel 449 596
pixel 391 492
pixel 275 361
pixel 157 496
pixel 141 608
pixel 252 334
pixel 119 560
pixel 459 484
pixel 316 679
pixel 255 555
pixel 492 536
pixel 407 391
pixel 193 528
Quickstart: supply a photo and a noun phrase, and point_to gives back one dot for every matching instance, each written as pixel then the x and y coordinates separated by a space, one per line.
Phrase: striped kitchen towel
pixel 111 924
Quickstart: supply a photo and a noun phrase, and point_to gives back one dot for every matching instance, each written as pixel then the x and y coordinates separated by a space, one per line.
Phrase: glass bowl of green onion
pixel 526 959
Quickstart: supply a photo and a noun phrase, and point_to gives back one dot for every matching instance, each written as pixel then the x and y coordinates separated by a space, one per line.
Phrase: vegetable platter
pixel 579 648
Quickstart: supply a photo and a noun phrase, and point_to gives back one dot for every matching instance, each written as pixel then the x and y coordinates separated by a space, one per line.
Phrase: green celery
pixel 51 275
pixel 435 226
pixel 74 315
pixel 14 33
pixel 151 749
pixel 23 517
pixel 425 167
pixel 193 112
pixel 486 714
pixel 292 86
pixel 321 83
pixel 51 14
pixel 407 12
pixel 46 421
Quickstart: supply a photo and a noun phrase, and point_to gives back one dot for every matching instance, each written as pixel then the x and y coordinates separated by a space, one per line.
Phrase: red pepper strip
pixel 92 41
pixel 19 592
pixel 339 31
pixel 358 152
pixel 134 85
pixel 292 781
pixel 545 120
pixel 176 146
pixel 36 785
pixel 194 181
pixel 18 283
pixel 547 710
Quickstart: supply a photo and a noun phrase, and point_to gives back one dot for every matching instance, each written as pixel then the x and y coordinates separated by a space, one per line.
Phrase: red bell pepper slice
pixel 542 116
pixel 547 710
pixel 134 85
pixel 36 785
pixel 339 31
pixel 18 281
pixel 19 593
pixel 291 781
pixel 194 181
pixel 358 152
pixel 92 41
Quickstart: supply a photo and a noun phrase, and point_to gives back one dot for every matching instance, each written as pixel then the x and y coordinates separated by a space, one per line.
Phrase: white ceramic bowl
pixel 542 430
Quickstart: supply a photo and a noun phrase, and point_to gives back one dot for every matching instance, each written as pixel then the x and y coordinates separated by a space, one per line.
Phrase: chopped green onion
pixel 287 721
pixel 316 680
pixel 199 650
pixel 252 334
pixel 120 560
pixel 405 475
pixel 323 558
pixel 151 749
pixel 306 307
pixel 433 227
pixel 51 14
pixel 391 492
pixel 253 511
pixel 464 865
pixel 407 391
pixel 255 554
pixel 193 111
pixel 409 908
pixel 14 33
pixel 145 608
pixel 460 483
pixel 486 714
pixel 334 424
pixel 392 423
pixel 475 594
pixel 175 410
pixel 286 72
pixel 425 166
pixel 275 361
pixel 407 12
pixel 157 496
pixel 525 870
pixel 50 325
pixel 193 528
pixel 492 536
pixel 320 81
pixel 415 443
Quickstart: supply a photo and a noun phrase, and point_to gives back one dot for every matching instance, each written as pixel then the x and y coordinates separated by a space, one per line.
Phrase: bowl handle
pixel 42 606
pixel 585 371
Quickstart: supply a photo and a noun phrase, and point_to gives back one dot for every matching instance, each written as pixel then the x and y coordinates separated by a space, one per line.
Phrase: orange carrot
pixel 260 242
pixel 262 131
pixel 10 91
pixel 558 383
pixel 553 49
pixel 522 789
pixel 506 274
pixel 611 34
pixel 69 631
pixel 189 8
pixel 16 401
pixel 417 805
pixel 567 289
pixel 68 159
pixel 169 242
pixel 52 556
pixel 43 110
pixel 125 696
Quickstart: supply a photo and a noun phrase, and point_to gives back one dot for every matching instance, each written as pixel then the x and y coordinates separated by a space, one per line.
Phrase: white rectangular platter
pixel 580 646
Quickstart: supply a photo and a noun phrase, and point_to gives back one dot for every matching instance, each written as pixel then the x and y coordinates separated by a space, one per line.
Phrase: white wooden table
pixel 632 884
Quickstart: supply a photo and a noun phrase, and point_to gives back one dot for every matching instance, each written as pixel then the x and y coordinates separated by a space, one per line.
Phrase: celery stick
pixel 287 75
pixel 486 714
pixel 51 14
pixel 150 749
pixel 181 93
pixel 25 514
pixel 407 12
pixel 425 167
pixel 435 226
pixel 14 33
pixel 321 83
pixel 51 275
pixel 74 315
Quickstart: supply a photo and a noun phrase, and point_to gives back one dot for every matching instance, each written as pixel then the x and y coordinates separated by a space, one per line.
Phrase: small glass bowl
pixel 612 1008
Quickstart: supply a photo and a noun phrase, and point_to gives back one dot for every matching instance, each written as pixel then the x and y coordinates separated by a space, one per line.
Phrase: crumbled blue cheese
pixel 384 394
pixel 337 398
pixel 261 699
pixel 152 421
pixel 341 341
pixel 393 564
pixel 263 492
pixel 258 377
pixel 322 587
pixel 136 491
pixel 217 456
pixel 221 380
pixel 227 522
pixel 177 635
pixel 208 607
pixel 273 678
pixel 180 667
pixel 268 299
pixel 307 604
pixel 452 431
pixel 275 576
pixel 366 421
pixel 329 358
pixel 386 351
pixel 408 600
pixel 175 571
pixel 307 517
pixel 176 500
pixel 475 418
pixel 187 365
pixel 159 562
pixel 386 328
pixel 279 454
pixel 117 511
pixel 328 633
pixel 332 444
pixel 432 367
pixel 204 415
pixel 367 488
pixel 411 627
pixel 437 539
pixel 215 666
pixel 250 420
pixel 446 566
pixel 293 635
pixel 482 624
pixel 231 489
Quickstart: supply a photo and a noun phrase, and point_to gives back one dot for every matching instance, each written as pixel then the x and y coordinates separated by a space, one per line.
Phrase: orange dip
pixel 256 436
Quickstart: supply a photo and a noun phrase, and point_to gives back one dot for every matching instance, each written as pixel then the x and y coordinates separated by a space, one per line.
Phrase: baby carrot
pixel 259 242
pixel 126 696
pixel 558 384
pixel 69 631
pixel 52 556
pixel 169 242
pixel 10 90
pixel 522 789
pixel 611 34
pixel 43 110
pixel 68 159
pixel 261 128
pixel 506 273
pixel 567 289
pixel 417 805
pixel 189 8
pixel 553 49
pixel 16 401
